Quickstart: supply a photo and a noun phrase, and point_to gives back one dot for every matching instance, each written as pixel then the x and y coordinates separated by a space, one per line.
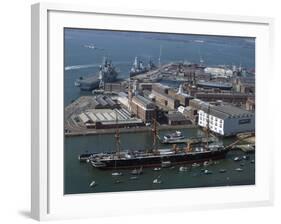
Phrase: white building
pixel 181 109
pixel 226 120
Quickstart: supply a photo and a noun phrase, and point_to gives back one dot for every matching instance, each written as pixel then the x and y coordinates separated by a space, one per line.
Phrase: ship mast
pixel 201 61
pixel 160 54
pixel 130 96
pixel 155 133
pixel 207 126
pixel 117 137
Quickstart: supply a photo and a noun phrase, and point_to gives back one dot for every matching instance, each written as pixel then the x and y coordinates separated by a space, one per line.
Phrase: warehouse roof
pixel 146 103
pixel 227 111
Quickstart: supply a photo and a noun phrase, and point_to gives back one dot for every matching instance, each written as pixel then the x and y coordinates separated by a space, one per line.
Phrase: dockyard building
pixel 108 118
pixel 180 95
pixel 114 87
pixel 103 102
pixel 177 118
pixel 169 98
pixel 160 94
pixel 226 120
pixel 143 108
pixel 228 97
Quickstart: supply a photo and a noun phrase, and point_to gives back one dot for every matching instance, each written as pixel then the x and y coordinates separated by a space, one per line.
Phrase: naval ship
pixel 123 159
pixel 139 68
pixel 107 73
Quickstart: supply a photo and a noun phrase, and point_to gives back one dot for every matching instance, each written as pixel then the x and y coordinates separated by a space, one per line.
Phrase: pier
pixel 245 143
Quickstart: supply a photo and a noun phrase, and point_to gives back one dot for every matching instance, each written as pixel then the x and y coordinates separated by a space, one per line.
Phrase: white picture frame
pixel 48 201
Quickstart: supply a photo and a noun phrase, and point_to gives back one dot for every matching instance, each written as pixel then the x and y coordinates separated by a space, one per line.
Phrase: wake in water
pixel 76 67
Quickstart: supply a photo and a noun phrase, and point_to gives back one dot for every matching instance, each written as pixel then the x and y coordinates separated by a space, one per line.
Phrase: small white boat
pixel 92 184
pixel 157 169
pixel 170 138
pixel 237 158
pixel 136 171
pixel 239 169
pixel 91 46
pixel 157 181
pixel 207 172
pixel 222 170
pixel 252 161
pixel 245 157
pixel 195 164
pixel 116 174
pixel 183 169
pixel 206 163
pixel 134 178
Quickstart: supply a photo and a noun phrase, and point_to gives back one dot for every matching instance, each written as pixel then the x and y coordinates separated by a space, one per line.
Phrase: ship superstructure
pixel 139 68
pixel 107 73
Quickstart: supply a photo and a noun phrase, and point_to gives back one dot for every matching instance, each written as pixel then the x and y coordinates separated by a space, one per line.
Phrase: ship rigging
pixel 155 157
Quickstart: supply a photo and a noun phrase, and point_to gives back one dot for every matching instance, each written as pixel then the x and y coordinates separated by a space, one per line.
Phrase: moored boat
pixel 136 171
pixel 239 169
pixel 92 184
pixel 157 180
pixel 207 172
pixel 173 137
pixel 116 174
pixel 183 169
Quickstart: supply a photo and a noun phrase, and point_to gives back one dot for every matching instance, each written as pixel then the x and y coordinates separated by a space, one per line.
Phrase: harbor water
pixel 78 176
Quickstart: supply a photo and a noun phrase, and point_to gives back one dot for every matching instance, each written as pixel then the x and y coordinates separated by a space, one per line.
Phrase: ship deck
pixel 141 155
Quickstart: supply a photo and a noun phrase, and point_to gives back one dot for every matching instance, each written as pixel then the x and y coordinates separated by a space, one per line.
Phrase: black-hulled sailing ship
pixel 153 157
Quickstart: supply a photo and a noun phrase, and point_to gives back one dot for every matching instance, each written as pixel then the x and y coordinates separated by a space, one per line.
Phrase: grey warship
pixel 107 73
pixel 139 68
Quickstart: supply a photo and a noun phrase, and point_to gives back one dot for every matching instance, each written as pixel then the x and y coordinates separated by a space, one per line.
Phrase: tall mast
pixel 160 54
pixel 155 133
pixel 130 95
pixel 117 136
pixel 201 61
pixel 208 120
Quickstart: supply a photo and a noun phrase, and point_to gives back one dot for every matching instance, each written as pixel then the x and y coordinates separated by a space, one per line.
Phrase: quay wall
pixel 127 130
